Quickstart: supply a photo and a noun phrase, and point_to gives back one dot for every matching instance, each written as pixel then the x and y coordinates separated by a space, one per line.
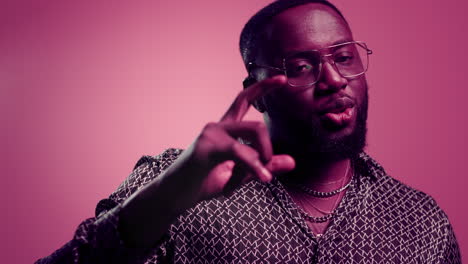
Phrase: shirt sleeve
pixel 450 249
pixel 97 239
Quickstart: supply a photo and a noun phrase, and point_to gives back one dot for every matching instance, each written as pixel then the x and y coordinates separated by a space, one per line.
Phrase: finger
pixel 215 146
pixel 241 104
pixel 281 164
pixel 217 179
pixel 239 176
pixel 247 165
pixel 277 165
pixel 248 177
pixel 248 158
pixel 256 133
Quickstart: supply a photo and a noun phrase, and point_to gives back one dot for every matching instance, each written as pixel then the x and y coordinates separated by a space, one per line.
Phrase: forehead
pixel 306 27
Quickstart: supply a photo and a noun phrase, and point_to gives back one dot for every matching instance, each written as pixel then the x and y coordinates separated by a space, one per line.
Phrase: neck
pixel 321 172
pixel 318 171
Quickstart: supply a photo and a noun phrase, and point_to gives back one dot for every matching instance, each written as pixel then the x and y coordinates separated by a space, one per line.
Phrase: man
pixel 298 190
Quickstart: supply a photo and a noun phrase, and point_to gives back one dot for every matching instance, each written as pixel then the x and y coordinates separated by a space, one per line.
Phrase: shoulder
pixel 382 188
pixel 392 196
pixel 145 170
pixel 402 213
pixel 407 209
pixel 397 197
pixel 161 161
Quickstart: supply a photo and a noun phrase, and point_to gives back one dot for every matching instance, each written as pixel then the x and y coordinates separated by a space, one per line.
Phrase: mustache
pixel 336 104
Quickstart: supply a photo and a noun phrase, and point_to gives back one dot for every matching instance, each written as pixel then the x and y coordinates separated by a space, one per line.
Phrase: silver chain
pixel 322 194
pixel 317 219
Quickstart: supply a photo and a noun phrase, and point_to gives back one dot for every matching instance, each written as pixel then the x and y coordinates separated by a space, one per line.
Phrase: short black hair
pixel 250 36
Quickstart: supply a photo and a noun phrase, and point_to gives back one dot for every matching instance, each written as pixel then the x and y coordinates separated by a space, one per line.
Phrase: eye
pixel 344 58
pixel 298 68
pixel 302 68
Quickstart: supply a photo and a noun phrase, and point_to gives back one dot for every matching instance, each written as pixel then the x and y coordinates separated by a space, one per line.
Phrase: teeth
pixel 345 113
pixel 341 111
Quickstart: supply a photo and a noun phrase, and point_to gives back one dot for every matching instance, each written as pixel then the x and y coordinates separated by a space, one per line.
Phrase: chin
pixel 317 139
pixel 333 143
pixel 338 133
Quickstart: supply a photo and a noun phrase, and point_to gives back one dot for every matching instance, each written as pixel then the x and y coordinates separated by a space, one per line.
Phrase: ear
pixel 258 104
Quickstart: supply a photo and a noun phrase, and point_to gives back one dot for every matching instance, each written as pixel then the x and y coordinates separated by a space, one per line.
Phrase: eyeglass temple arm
pixel 252 65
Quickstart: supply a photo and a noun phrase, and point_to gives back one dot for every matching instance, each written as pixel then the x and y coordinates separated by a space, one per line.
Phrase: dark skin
pixel 205 170
pixel 292 113
pixel 216 163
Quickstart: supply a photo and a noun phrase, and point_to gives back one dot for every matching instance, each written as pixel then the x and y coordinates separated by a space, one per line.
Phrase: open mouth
pixel 339 116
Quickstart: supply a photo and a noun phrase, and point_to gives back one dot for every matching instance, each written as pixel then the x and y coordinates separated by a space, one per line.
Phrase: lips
pixel 337 106
pixel 339 113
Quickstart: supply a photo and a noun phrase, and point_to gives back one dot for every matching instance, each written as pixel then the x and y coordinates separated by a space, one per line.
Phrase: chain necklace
pixel 318 219
pixel 324 194
pixel 327 215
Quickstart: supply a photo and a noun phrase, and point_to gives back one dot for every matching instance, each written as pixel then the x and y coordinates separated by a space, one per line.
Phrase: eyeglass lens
pixel 304 68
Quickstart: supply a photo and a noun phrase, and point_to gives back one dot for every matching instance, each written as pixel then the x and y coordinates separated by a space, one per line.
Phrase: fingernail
pixel 280 77
pixel 229 165
pixel 267 175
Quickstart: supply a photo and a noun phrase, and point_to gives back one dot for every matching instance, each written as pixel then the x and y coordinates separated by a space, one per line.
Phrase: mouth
pixel 338 106
pixel 339 113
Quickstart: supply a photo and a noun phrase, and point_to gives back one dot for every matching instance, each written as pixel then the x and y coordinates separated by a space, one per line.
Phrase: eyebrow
pixel 337 42
pixel 341 41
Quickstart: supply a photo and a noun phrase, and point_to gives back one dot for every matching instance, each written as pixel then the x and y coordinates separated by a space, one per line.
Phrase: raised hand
pixel 214 164
pixel 225 161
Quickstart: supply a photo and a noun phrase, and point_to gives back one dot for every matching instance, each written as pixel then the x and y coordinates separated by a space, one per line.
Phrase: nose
pixel 330 80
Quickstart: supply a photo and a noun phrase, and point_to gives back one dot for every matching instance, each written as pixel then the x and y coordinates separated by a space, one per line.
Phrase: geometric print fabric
pixel 379 220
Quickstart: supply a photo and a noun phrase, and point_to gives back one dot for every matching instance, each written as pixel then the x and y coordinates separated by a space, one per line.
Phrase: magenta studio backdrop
pixel 87 87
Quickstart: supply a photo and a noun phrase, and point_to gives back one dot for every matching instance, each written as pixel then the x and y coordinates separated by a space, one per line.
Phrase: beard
pixel 321 146
pixel 315 142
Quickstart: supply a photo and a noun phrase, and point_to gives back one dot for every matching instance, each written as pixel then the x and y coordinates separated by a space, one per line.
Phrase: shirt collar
pixel 367 166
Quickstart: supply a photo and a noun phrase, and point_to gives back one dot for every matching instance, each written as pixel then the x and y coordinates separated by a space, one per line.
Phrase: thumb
pixel 281 164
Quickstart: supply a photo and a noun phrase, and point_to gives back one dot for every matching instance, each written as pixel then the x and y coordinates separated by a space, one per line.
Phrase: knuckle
pixel 251 153
pixel 202 139
pixel 236 147
pixel 255 156
pixel 203 144
pixel 210 126
pixel 240 95
pixel 206 142
pixel 244 151
pixel 260 126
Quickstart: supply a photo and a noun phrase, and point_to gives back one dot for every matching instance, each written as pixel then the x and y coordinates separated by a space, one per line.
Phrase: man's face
pixel 300 117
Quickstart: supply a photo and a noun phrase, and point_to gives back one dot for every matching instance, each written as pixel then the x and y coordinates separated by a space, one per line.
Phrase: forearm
pixel 147 215
pixel 98 240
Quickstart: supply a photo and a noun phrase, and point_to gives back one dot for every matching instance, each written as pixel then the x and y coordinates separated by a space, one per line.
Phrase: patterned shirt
pixel 379 220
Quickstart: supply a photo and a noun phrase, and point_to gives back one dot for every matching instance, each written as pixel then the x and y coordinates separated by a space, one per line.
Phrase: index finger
pixel 241 104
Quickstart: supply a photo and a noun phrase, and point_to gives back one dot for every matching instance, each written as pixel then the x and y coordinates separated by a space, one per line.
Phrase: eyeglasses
pixel 303 69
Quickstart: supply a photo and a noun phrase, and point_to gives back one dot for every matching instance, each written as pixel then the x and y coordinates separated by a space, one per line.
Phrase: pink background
pixel 87 87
